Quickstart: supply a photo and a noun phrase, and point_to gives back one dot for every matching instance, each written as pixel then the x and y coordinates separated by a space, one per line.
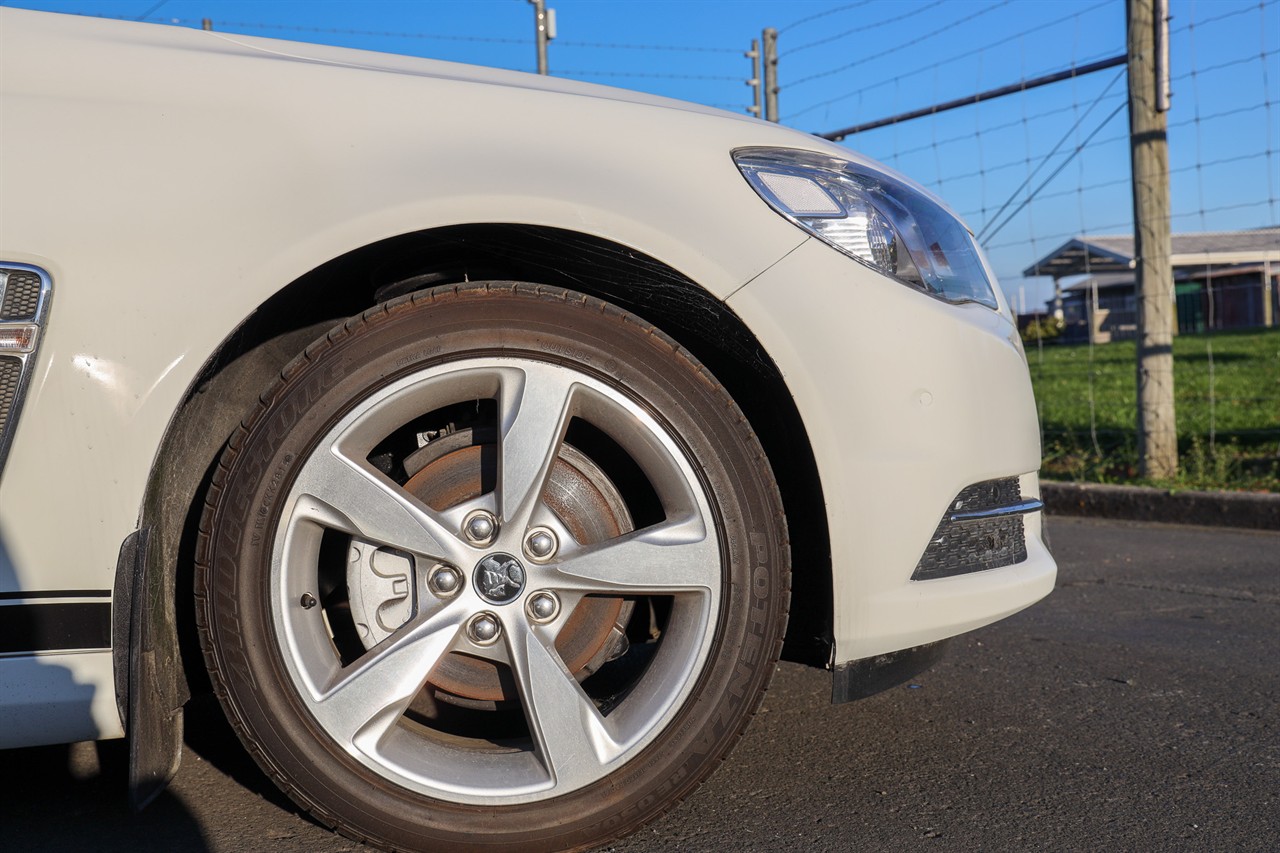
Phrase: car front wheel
pixel 492 566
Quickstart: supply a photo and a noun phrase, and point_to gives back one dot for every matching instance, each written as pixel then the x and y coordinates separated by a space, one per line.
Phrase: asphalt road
pixel 1137 708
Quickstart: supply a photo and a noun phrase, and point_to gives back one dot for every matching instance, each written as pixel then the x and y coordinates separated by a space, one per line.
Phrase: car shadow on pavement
pixel 209 737
pixel 74 797
pixel 243 786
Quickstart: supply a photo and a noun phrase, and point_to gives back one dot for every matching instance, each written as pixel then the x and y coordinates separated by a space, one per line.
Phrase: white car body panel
pixel 197 195
pixel 57 698
pixel 104 392
pixel 898 442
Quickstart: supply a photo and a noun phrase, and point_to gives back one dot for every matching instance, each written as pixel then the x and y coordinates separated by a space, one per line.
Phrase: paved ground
pixel 1137 708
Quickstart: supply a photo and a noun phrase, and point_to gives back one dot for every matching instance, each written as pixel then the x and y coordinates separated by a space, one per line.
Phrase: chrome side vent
pixel 25 292
pixel 21 291
pixel 10 373
pixel 982 530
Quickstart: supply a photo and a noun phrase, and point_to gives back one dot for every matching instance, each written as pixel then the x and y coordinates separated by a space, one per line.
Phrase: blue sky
pixel 846 62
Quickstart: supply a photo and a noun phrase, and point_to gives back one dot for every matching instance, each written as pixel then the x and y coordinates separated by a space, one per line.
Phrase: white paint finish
pixel 858 352
pixel 171 180
pixel 57 698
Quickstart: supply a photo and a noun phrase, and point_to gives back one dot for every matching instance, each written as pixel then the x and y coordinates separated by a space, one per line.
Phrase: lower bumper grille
pixel 983 529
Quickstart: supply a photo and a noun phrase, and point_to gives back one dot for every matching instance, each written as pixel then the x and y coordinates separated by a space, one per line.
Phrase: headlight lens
pixel 874 218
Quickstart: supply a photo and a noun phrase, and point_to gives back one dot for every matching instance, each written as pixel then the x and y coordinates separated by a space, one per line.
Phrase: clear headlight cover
pixel 874 218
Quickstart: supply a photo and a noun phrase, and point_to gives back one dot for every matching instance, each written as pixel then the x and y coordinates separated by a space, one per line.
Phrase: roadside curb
pixel 1250 510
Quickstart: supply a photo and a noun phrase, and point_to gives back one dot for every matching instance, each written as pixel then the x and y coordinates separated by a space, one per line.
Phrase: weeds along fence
pixel 1227 407
pixel 1043 176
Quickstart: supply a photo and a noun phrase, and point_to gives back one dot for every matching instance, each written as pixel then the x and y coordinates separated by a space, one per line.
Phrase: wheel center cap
pixel 499 578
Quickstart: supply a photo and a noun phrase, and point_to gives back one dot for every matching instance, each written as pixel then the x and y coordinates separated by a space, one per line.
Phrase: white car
pixel 490 434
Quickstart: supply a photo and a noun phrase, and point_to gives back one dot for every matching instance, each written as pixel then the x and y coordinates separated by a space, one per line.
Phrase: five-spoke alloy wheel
pixel 499 566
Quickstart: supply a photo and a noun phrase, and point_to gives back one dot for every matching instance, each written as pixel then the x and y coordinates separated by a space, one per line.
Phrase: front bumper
pixel 907 401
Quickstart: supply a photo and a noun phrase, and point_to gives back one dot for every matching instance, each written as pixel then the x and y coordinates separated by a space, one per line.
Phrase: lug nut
pixel 540 544
pixel 484 628
pixel 543 607
pixel 479 527
pixel 444 580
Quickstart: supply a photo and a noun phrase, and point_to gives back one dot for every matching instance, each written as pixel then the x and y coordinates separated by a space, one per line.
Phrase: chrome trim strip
pixel 1021 508
pixel 27 359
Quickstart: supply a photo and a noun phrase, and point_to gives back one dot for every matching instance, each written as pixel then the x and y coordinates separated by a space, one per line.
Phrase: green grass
pixel 1226 397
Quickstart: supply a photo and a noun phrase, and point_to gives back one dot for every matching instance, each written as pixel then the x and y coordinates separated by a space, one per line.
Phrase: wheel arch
pixel 251 356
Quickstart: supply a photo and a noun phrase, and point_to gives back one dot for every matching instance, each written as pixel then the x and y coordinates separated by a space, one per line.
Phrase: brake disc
pixel 460 466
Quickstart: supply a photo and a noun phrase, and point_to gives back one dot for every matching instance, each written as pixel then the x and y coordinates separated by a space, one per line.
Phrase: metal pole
pixel 754 82
pixel 1094 326
pixel 771 74
pixel 540 32
pixel 1162 55
pixel 1149 152
pixel 1012 89
pixel 1268 310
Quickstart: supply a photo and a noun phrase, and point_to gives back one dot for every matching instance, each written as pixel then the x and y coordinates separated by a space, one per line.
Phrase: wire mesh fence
pixel 1227 390
pixel 1044 179
pixel 1043 176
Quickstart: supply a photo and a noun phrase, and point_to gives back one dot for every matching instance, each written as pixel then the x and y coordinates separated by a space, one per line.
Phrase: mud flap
pixel 150 688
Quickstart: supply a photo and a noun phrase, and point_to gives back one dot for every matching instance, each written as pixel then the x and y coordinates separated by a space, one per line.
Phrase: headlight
pixel 874 218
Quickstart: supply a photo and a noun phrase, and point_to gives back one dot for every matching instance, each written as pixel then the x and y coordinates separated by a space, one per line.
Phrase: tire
pixel 495 566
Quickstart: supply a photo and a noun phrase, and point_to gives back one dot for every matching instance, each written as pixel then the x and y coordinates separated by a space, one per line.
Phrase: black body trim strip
pixel 55 627
pixel 33 594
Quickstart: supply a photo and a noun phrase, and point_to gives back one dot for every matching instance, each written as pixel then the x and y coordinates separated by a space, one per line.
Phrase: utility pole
pixel 754 82
pixel 771 74
pixel 544 25
pixel 1149 152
